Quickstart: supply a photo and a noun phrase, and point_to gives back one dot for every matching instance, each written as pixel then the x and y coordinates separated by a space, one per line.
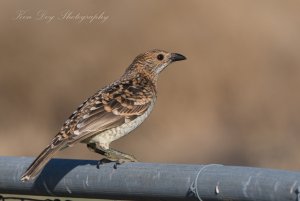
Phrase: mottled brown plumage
pixel 112 112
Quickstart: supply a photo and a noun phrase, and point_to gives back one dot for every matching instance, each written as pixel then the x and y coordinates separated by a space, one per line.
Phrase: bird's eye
pixel 160 57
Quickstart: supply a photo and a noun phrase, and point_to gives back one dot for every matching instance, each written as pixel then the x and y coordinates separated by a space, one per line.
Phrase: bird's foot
pixel 102 161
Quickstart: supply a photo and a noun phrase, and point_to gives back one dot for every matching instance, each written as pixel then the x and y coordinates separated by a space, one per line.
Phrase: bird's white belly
pixel 106 137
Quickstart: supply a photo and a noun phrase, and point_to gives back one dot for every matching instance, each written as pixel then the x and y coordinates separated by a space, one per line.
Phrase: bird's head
pixel 153 62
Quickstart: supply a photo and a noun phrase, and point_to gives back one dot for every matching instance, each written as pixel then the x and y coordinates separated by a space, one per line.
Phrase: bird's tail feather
pixel 40 161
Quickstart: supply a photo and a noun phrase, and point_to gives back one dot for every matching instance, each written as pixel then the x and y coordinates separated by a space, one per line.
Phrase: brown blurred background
pixel 235 101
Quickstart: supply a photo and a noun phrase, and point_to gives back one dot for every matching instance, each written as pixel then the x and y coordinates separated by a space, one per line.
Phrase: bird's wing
pixel 110 108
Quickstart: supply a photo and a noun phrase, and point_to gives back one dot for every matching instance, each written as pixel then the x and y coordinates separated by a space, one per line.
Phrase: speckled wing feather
pixel 109 108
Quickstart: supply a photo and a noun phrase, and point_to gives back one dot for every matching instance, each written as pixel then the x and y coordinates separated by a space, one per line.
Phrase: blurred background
pixel 235 101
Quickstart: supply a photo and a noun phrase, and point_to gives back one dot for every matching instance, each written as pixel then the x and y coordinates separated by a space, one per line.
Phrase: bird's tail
pixel 41 160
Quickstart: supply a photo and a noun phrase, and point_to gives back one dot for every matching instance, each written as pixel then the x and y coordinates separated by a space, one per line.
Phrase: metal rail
pixel 83 179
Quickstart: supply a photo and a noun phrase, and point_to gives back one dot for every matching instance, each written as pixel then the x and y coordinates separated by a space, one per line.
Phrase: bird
pixel 112 112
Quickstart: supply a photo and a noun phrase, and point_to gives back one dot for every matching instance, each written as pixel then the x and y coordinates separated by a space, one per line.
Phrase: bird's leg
pixel 118 156
pixel 93 147
pixel 111 154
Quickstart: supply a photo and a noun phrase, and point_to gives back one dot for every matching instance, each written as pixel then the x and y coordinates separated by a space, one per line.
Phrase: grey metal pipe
pixel 82 178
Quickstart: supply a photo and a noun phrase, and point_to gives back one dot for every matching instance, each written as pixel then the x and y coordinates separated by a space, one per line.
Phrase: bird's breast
pixel 113 134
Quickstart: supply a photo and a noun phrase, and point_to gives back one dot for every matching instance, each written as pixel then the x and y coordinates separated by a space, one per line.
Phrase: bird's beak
pixel 177 57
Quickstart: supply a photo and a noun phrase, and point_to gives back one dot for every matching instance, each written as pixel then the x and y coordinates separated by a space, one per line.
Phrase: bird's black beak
pixel 177 57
